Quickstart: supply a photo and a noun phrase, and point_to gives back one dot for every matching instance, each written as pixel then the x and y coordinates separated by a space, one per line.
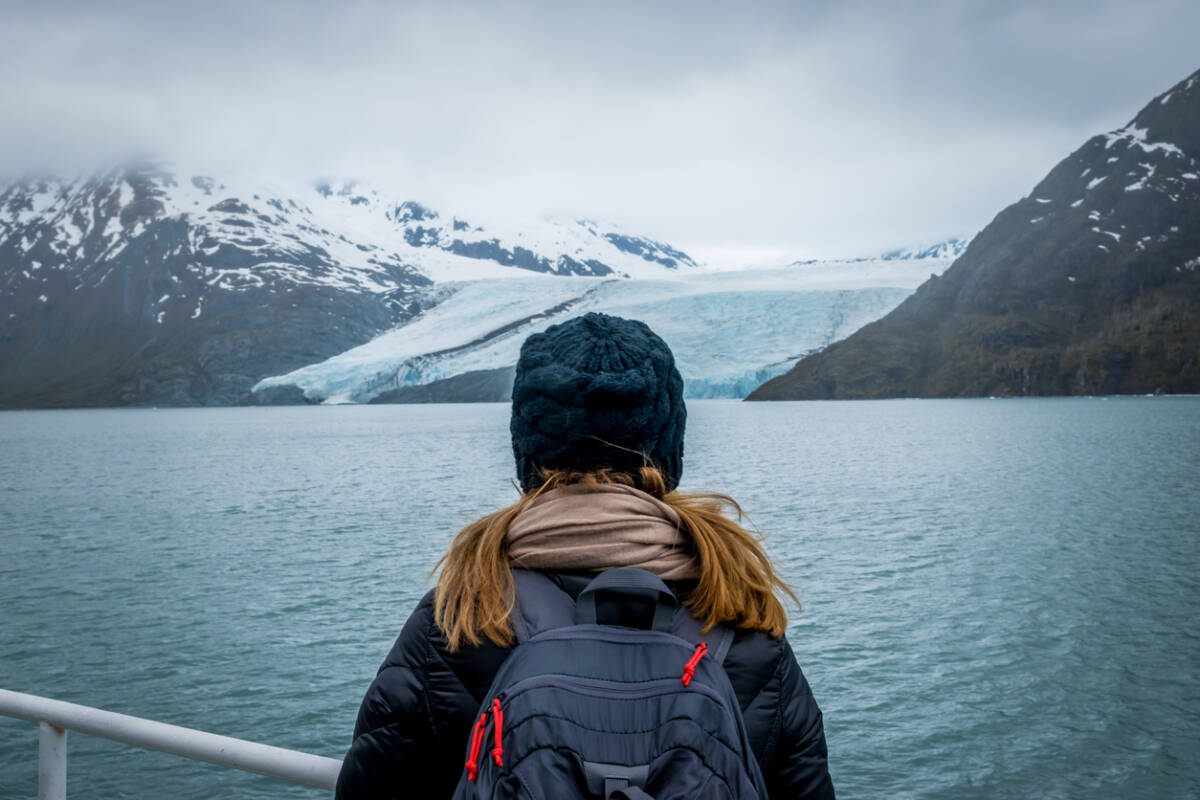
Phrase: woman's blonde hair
pixel 738 585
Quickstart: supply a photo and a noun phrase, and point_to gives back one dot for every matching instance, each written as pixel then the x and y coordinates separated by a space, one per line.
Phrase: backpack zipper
pixel 689 669
pixel 479 734
pixel 472 765
pixel 498 715
pixel 603 688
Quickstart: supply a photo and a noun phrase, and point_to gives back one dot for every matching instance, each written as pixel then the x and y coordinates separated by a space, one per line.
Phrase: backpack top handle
pixel 629 582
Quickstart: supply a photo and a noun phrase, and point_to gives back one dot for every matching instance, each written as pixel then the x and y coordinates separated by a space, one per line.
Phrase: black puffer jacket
pixel 414 723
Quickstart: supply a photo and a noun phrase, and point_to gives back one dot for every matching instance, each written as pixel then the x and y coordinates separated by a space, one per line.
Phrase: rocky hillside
pixel 145 286
pixel 1087 286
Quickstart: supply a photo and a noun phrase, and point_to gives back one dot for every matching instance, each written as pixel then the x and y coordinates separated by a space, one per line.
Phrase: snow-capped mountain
pixel 1089 285
pixel 449 247
pixel 730 331
pixel 148 285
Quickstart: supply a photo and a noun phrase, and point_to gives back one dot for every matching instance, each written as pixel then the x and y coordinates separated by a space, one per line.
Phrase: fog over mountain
pixel 745 133
pixel 306 202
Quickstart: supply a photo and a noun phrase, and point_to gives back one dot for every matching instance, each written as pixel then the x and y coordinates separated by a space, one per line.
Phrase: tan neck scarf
pixel 601 527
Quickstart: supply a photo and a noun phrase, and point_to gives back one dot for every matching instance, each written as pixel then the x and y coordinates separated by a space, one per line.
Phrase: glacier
pixel 730 330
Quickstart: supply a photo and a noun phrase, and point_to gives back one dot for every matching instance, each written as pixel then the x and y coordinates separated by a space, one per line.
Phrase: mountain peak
pixel 1086 286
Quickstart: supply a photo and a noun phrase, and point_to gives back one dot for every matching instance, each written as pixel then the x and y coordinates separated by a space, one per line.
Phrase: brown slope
pixel 1091 285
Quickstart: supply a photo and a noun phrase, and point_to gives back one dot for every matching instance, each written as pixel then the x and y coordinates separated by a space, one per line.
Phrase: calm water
pixel 1000 596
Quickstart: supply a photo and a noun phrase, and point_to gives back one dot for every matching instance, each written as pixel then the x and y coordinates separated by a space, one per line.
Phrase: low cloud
pixel 810 129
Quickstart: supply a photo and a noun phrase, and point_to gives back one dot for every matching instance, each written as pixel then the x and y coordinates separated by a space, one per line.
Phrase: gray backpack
pixel 617 696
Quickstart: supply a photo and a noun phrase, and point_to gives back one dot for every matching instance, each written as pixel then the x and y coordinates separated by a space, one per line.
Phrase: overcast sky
pixel 737 130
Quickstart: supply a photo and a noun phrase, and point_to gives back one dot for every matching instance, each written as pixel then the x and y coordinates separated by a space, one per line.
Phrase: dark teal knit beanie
pixel 597 391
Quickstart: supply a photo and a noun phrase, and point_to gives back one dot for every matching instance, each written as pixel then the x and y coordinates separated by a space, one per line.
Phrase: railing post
pixel 52 762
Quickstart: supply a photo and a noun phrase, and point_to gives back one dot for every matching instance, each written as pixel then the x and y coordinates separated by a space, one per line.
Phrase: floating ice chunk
pixel 1071 278
pixel 43 298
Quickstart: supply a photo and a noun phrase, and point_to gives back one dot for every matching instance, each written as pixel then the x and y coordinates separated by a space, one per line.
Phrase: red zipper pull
pixel 689 669
pixel 498 751
pixel 476 743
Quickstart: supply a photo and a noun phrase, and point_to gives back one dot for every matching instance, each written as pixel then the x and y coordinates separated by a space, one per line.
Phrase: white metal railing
pixel 55 718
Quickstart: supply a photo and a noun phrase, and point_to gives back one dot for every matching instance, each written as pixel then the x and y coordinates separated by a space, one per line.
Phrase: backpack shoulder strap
pixel 688 628
pixel 541 605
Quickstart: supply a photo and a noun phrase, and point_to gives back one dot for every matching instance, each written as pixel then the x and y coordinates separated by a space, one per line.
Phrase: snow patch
pixel 1137 136
pixel 1094 182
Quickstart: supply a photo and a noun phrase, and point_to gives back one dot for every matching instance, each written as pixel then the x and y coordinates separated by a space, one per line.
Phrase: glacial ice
pixel 730 331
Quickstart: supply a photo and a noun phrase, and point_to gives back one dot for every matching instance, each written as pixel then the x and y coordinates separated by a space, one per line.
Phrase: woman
pixel 597 430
